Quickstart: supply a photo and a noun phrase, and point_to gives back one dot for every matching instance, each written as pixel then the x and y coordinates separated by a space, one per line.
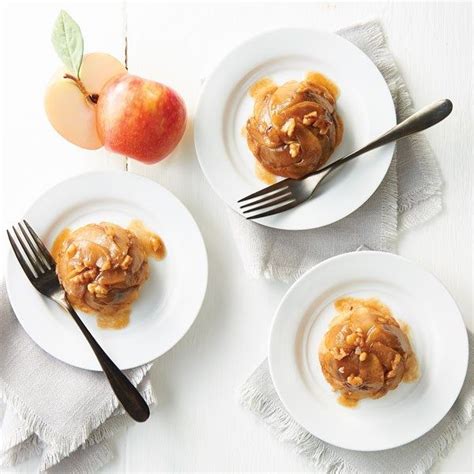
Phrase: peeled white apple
pixel 69 110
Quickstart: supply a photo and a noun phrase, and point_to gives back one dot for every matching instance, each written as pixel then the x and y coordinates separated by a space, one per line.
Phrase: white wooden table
pixel 198 423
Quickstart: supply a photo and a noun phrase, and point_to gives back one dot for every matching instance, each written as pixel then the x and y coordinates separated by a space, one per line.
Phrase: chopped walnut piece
pixel 322 125
pixel 351 338
pixel 289 127
pixel 395 363
pixel 103 263
pixel 155 243
pixel 267 140
pixel 294 149
pixel 126 262
pixel 310 118
pixel 97 289
pixel 85 276
pixel 340 355
pixel 355 381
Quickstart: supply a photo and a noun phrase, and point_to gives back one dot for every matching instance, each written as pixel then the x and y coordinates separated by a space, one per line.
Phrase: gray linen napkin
pixel 409 195
pixel 63 413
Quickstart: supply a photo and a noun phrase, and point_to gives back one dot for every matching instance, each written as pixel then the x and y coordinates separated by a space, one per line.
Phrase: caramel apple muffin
pixel 294 128
pixel 365 352
pixel 102 267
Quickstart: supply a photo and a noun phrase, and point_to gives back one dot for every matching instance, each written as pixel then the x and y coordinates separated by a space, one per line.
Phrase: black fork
pixel 40 268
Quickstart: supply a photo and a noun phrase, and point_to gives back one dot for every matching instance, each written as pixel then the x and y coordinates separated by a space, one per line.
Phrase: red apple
pixel 139 118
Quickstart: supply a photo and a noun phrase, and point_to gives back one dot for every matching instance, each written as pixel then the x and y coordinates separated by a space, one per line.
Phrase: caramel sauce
pixel 261 87
pixel 152 243
pixel 321 80
pixel 347 402
pixel 117 321
pixel 366 352
pixel 118 315
pixel 412 369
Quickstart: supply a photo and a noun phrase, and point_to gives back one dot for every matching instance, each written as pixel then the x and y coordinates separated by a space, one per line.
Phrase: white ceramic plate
pixel 365 106
pixel 170 299
pixel 438 335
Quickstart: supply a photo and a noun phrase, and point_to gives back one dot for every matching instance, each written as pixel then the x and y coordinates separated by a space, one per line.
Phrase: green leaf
pixel 68 42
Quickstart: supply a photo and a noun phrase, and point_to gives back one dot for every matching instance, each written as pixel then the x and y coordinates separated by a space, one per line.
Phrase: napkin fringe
pixel 95 463
pixel 63 447
pixel 444 443
pixel 109 429
pixel 106 429
pixel 97 429
pixel 389 233
pixel 421 205
pixel 372 36
pixel 21 450
pixel 88 464
pixel 410 216
pixel 288 431
pixel 33 422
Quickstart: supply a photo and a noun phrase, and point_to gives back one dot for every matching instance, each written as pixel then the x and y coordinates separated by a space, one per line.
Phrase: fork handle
pixel 128 395
pixel 419 121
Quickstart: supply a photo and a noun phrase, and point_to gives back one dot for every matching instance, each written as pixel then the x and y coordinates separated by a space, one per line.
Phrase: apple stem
pixel 93 98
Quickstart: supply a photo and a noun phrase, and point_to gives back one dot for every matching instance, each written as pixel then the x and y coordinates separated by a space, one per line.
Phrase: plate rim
pixel 282 30
pixel 10 258
pixel 370 254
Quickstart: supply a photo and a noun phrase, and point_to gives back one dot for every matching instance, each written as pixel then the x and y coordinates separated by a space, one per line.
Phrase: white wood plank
pixel 199 424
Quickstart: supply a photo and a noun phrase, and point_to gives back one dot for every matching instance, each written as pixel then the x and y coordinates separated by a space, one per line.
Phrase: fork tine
pixel 267 198
pixel 268 189
pixel 43 249
pixel 37 267
pixel 274 211
pixel 269 204
pixel 20 258
pixel 33 248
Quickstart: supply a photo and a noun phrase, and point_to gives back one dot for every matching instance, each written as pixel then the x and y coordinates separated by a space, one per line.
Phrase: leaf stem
pixel 93 98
